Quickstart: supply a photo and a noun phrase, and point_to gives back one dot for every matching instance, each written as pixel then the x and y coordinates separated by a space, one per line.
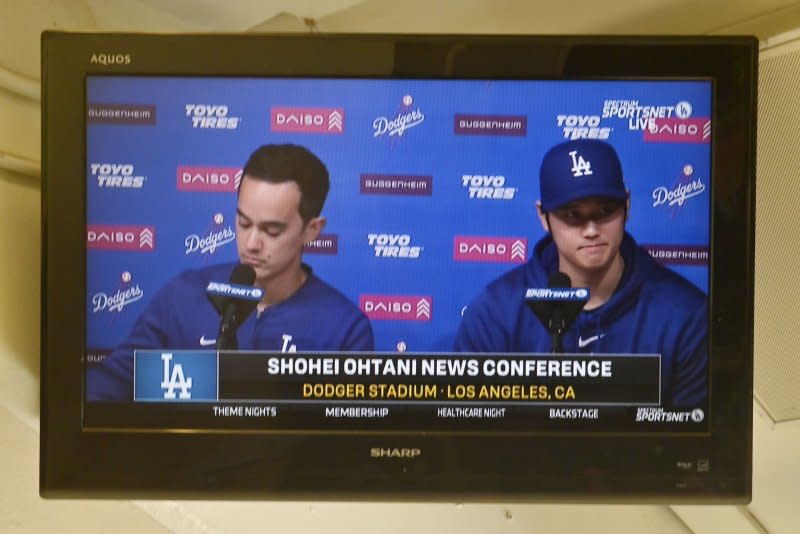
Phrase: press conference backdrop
pixel 433 183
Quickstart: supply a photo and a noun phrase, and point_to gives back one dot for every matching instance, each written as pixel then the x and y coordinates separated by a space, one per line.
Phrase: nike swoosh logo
pixel 585 342
pixel 206 342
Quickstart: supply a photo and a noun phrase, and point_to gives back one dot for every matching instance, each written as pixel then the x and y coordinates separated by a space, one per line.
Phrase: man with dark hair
pixel 278 210
pixel 635 305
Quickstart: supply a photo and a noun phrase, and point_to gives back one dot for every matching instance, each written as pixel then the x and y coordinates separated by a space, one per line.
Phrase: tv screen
pixel 397 267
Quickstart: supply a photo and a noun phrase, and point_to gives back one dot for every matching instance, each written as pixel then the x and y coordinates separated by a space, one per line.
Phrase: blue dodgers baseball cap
pixel 580 169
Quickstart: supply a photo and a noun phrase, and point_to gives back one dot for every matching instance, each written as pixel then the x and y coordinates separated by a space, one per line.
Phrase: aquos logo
pixel 487 187
pixel 490 249
pixel 211 116
pixel 110 59
pixel 217 236
pixel 582 127
pixel 687 187
pixel 397 307
pixel 393 246
pixel 214 179
pixel 116 175
pixel 119 237
pixel 116 300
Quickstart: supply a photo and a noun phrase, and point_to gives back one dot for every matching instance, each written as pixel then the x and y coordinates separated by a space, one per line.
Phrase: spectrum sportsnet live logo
pixel 307 120
pixel 490 249
pixel 117 237
pixel 210 179
pixel 117 299
pixel 397 307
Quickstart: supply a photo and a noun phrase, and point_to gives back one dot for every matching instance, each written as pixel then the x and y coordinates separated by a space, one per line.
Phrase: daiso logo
pixel 397 307
pixel 307 120
pixel 490 249
pixel 211 179
pixel 121 237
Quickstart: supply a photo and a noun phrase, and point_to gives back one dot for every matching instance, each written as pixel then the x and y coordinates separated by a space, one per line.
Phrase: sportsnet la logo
pixel 215 237
pixel 213 179
pixel 487 187
pixel 394 246
pixel 397 307
pixel 490 249
pixel 116 300
pixel 659 415
pixel 404 119
pixel 116 175
pixel 118 237
pixel 211 116
pixel 307 120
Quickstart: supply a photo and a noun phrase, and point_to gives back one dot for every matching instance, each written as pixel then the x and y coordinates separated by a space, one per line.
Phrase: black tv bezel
pixel 75 462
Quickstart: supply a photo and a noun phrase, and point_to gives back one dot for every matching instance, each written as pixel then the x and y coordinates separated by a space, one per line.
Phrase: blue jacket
pixel 653 310
pixel 180 316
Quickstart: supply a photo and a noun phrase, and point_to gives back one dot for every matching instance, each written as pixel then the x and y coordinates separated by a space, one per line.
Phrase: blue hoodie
pixel 180 316
pixel 653 310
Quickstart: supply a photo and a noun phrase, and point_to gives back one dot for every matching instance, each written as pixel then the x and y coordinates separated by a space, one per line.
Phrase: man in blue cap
pixel 636 306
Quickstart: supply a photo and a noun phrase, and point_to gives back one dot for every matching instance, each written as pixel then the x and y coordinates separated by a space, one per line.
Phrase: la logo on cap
pixel 580 167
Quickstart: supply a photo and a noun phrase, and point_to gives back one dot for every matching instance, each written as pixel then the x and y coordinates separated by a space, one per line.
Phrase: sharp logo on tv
pixel 132 114
pixel 687 187
pixel 115 300
pixel 323 244
pixel 116 237
pixel 405 118
pixel 215 237
pixel 116 175
pixel 307 120
pixel 487 187
pixel 211 116
pixel 396 184
pixel 401 453
pixel 213 179
pixel 582 127
pixel 394 246
pixel 397 307
pixel 490 249
pixel 512 125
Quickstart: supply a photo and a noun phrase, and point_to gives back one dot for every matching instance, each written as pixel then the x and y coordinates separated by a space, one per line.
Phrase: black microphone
pixel 234 301
pixel 557 306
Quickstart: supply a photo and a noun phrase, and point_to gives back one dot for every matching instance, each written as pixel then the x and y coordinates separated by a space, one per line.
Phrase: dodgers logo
pixel 580 167
pixel 176 376
pixel 175 379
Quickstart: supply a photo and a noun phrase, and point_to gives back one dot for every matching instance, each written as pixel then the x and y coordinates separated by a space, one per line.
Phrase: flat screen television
pixel 406 267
